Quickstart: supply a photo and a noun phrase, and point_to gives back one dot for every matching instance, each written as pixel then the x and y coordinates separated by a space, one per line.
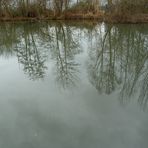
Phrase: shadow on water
pixel 117 58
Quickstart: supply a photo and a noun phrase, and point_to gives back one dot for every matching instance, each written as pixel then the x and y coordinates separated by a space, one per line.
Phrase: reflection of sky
pixel 39 114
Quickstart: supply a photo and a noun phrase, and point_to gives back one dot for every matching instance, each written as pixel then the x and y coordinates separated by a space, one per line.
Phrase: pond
pixel 73 85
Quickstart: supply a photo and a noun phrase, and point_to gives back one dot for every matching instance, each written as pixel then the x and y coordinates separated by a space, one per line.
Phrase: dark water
pixel 73 85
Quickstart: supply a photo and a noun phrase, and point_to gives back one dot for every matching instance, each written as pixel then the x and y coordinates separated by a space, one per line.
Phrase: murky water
pixel 73 85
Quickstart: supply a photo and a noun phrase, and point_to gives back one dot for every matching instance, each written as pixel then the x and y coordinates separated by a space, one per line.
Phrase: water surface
pixel 73 85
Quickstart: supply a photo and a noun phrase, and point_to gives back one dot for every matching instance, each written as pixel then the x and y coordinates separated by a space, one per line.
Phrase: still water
pixel 73 85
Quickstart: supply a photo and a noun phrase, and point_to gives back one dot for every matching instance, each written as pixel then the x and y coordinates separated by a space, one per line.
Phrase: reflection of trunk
pixel 59 58
pixel 65 48
pixel 111 70
pixel 111 64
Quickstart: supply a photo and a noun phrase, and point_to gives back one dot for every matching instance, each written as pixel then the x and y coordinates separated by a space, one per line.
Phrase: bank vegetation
pixel 112 10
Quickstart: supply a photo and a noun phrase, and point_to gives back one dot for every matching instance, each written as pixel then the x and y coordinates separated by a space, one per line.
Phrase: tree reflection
pixel 21 39
pixel 117 54
pixel 31 54
pixel 32 43
pixel 8 39
pixel 64 48
pixel 57 39
pixel 119 62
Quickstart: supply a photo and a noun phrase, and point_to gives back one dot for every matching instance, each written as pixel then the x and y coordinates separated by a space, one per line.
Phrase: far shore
pixel 137 18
